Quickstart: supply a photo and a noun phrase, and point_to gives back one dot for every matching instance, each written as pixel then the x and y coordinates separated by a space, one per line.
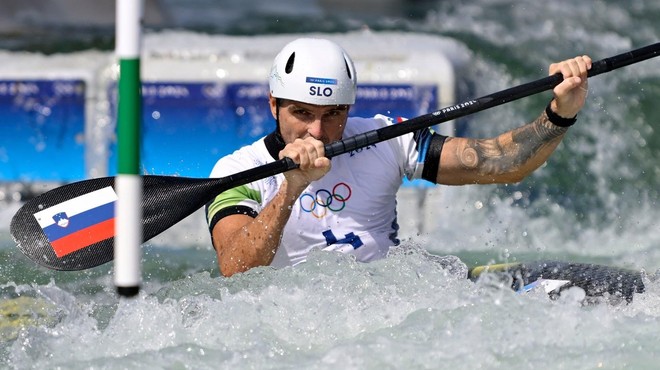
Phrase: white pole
pixel 128 183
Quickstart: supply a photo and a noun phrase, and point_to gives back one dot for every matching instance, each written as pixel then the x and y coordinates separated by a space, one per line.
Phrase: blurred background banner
pixel 43 125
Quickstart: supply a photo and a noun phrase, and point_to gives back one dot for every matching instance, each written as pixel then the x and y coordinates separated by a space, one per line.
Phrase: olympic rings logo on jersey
pixel 324 200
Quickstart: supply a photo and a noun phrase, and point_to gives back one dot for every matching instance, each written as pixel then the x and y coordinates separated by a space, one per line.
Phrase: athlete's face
pixel 300 120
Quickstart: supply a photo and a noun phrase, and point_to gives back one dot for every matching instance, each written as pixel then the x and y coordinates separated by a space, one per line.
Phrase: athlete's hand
pixel 571 93
pixel 309 154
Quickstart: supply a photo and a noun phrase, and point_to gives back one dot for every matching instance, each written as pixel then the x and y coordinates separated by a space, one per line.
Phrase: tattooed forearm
pixel 512 155
pixel 541 131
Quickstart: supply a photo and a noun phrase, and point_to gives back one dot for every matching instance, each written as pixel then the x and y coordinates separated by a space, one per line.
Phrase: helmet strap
pixel 278 101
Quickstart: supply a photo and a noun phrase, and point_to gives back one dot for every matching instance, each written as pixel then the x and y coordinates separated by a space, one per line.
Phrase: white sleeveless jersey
pixel 351 209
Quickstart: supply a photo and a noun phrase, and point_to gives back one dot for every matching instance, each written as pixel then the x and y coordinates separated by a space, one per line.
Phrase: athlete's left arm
pixel 513 155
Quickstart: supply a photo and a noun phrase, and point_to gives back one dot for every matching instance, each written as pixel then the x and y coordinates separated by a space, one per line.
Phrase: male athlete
pixel 349 204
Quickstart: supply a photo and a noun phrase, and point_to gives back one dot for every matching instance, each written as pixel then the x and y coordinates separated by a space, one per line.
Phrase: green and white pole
pixel 128 182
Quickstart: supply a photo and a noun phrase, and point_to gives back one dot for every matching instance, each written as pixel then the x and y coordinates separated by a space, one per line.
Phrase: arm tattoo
pixel 510 151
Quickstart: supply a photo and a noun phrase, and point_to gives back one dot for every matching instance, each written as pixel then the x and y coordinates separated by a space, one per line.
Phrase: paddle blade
pixel 30 233
pixel 72 227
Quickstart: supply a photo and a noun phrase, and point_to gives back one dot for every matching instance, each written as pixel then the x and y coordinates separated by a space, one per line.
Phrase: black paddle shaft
pixel 488 101
pixel 167 199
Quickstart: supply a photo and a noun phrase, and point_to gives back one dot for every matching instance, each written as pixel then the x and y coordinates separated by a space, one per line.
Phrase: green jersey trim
pixel 232 197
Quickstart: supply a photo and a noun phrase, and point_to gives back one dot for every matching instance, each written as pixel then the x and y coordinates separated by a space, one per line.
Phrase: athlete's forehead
pixel 314 107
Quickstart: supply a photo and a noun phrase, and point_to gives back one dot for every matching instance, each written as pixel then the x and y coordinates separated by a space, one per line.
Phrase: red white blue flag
pixel 79 222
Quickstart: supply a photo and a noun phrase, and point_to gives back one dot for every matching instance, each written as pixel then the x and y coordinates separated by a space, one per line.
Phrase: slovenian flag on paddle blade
pixel 79 222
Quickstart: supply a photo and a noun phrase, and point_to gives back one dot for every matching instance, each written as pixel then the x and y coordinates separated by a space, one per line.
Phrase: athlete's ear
pixel 272 102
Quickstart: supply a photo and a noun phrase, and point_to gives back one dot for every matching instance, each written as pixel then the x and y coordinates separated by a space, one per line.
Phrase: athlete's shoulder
pixel 357 125
pixel 246 157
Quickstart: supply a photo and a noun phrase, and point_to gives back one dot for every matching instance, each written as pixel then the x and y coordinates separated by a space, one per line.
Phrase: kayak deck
pixel 595 280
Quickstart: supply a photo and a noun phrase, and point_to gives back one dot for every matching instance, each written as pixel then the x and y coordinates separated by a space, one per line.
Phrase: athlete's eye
pixel 336 113
pixel 302 113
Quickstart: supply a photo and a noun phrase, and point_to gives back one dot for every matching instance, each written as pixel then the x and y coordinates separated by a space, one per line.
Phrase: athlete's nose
pixel 315 128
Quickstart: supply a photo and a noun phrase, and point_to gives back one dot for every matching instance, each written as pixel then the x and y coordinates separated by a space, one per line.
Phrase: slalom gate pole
pixel 128 208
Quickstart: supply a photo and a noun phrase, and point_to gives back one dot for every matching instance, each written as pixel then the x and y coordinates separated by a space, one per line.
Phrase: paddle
pixel 41 228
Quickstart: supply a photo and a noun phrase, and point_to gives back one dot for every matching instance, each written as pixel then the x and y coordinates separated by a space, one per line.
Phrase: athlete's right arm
pixel 242 242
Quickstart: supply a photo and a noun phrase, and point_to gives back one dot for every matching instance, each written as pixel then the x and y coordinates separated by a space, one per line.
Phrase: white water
pixel 402 312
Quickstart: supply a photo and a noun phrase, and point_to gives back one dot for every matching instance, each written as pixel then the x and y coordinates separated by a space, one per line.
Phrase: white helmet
pixel 313 71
